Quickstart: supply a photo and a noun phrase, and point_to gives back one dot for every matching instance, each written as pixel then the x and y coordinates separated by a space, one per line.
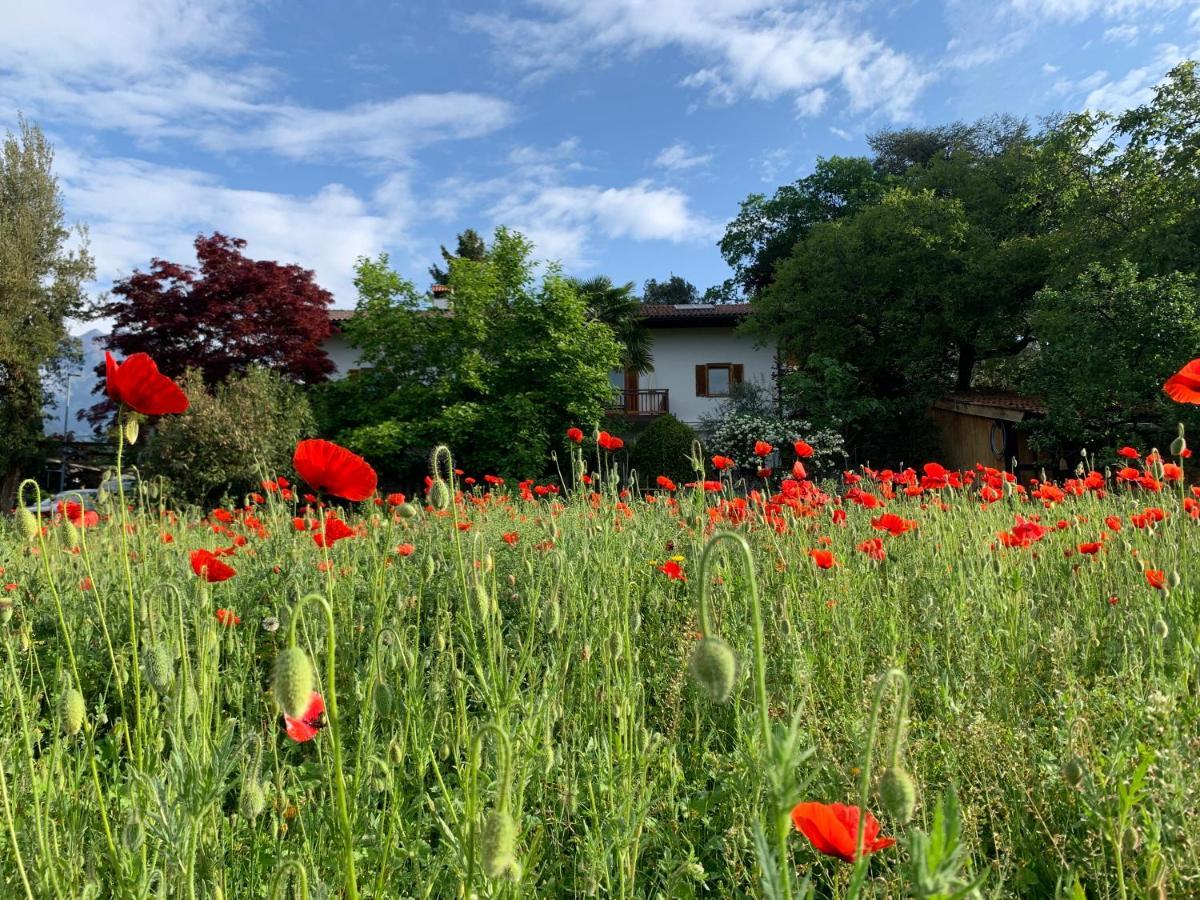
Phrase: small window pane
pixel 718 381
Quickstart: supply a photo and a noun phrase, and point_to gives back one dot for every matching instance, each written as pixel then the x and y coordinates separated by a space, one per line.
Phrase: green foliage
pixel 675 290
pixel 617 307
pixel 513 363
pixel 664 448
pixel 1106 345
pixel 41 287
pixel 231 436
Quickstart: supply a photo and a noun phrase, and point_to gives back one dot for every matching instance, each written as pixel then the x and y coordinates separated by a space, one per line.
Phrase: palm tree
pixel 617 307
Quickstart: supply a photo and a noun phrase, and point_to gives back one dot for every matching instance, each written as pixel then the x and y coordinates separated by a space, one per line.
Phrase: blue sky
pixel 618 134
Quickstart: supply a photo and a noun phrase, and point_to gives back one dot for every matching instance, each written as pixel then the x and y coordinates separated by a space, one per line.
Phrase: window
pixel 717 379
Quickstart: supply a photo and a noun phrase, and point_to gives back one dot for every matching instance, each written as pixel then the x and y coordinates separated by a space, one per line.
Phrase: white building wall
pixel 677 352
pixel 343 356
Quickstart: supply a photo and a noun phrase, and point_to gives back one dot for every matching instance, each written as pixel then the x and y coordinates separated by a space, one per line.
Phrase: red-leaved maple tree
pixel 222 316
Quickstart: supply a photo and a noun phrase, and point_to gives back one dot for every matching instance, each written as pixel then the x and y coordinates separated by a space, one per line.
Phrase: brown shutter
pixel 735 374
pixel 701 380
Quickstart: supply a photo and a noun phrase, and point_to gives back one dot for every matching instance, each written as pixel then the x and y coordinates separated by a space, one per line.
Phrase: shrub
pixel 664 448
pixel 230 437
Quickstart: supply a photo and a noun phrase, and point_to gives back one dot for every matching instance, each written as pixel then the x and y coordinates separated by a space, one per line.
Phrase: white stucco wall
pixel 344 356
pixel 677 352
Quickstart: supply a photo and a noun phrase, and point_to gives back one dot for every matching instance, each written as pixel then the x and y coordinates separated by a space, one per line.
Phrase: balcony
pixel 640 404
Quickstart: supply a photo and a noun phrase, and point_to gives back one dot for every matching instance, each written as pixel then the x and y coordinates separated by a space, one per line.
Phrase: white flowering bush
pixel 735 434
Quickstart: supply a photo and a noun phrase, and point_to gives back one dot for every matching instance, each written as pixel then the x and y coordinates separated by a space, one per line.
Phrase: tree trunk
pixel 966 367
pixel 8 488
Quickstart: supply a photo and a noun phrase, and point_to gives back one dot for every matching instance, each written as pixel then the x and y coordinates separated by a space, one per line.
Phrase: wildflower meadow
pixel 912 682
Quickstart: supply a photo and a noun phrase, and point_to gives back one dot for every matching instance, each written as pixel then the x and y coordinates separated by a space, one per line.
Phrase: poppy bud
pixel 1131 840
pixel 439 495
pixel 407 511
pixel 1173 580
pixel 160 671
pixel 430 568
pixel 714 667
pixel 28 523
pixel 71 712
pixel 252 800
pixel 1161 629
pixel 68 533
pixel 1074 771
pixel 132 429
pixel 293 681
pixel 482 604
pixel 616 646
pixel 635 621
pixel 551 615
pixel 898 793
pixel 396 752
pixel 6 610
pixel 133 834
pixel 1178 446
pixel 191 701
pixel 497 843
pixel 384 699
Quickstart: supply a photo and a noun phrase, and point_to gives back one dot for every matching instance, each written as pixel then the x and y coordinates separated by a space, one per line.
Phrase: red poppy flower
pixel 762 448
pixel 308 725
pixel 334 531
pixel 396 499
pixel 873 547
pixel 609 442
pixel 511 537
pixel 803 449
pixel 1184 385
pixel 207 565
pixel 721 463
pixel 575 435
pixel 83 518
pixel 405 550
pixel 1156 578
pixel 666 483
pixel 228 617
pixel 893 524
pixel 1090 548
pixel 137 384
pixel 832 829
pixel 672 570
pixel 1129 453
pixel 823 558
pixel 334 469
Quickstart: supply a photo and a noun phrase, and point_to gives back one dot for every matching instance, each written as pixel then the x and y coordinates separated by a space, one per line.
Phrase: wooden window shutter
pixel 735 374
pixel 701 380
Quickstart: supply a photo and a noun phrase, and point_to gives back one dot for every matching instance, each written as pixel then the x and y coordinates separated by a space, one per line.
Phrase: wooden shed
pixel 983 427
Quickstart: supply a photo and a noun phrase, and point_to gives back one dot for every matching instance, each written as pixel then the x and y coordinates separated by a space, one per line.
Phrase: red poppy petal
pixel 138 384
pixel 298 730
pixel 334 469
pixel 824 830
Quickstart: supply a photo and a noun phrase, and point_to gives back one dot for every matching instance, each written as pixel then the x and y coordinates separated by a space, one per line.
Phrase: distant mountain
pixel 82 381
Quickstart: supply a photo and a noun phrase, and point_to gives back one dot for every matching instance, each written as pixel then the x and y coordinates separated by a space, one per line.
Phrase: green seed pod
pixel 551 615
pixel 293 680
pixel 1074 771
pixel 28 524
pixel 439 495
pixel 898 793
pixel 252 800
pixel 160 669
pixel 498 844
pixel 71 712
pixel 714 668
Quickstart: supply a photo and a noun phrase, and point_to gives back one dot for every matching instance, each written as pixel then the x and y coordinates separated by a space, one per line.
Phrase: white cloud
pixel 751 47
pixel 1075 10
pixel 1102 92
pixel 1121 34
pixel 137 210
pixel 678 157
pixel 174 69
pixel 841 132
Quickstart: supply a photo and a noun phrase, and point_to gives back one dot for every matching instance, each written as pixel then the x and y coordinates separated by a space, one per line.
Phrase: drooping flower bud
pixel 160 670
pixel 439 495
pixel 1074 771
pixel 293 681
pixel 551 615
pixel 481 600
pixel 28 524
pixel 498 844
pixel 1161 629
pixel 69 534
pixel 714 668
pixel 898 793
pixel 71 712
pixel 252 800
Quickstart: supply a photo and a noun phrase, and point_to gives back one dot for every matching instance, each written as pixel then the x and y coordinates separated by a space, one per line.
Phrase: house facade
pixel 698 358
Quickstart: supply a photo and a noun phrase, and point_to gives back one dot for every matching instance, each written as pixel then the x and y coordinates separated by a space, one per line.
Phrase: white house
pixel 698 356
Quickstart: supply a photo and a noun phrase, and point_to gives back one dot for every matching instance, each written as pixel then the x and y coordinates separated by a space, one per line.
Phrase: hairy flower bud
pixel 252 799
pixel 132 429
pixel 28 524
pixel 1074 771
pixel 71 711
pixel 293 681
pixel 898 793
pixel 160 670
pixel 551 615
pixel 439 495
pixel 498 842
pixel 481 600
pixel 714 668
pixel 68 533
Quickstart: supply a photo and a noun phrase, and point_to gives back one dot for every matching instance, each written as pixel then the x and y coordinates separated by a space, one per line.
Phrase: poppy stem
pixel 296 869
pixel 860 860
pixel 504 749
pixel 334 728
pixel 133 625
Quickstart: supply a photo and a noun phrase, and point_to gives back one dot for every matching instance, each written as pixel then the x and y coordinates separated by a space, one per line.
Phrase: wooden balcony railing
pixel 651 402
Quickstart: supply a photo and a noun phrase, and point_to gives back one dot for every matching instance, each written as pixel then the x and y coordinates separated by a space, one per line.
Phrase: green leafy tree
pixel 676 290
pixel 664 448
pixel 231 435
pixel 41 287
pixel 767 228
pixel 499 376
pixel 617 307
pixel 1106 345
pixel 470 246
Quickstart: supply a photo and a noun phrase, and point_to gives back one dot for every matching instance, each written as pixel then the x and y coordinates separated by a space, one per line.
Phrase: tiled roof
pixel 1000 400
pixel 651 313
pixel 339 315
